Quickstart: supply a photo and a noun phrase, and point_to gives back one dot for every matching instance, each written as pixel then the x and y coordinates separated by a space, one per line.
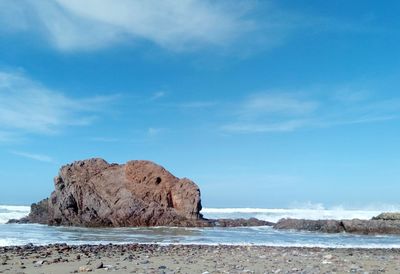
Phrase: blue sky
pixel 261 103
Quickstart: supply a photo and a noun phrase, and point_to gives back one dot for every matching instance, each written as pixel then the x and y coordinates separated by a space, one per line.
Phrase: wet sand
pixel 137 258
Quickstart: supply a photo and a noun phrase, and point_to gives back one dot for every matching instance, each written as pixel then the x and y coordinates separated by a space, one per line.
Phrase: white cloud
pixel 104 139
pixel 177 25
pixel 6 136
pixel 154 131
pixel 32 156
pixel 271 112
pixel 157 95
pixel 173 24
pixel 277 103
pixel 280 126
pixel 197 104
pixel 29 107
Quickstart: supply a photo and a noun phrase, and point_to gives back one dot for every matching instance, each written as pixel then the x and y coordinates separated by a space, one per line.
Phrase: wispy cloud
pixel 6 136
pixel 29 107
pixel 157 95
pixel 197 104
pixel 274 112
pixel 33 156
pixel 152 131
pixel 173 24
pixel 104 139
pixel 278 103
pixel 280 126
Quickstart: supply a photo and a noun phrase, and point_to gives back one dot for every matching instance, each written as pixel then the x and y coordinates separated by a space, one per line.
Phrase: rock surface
pixel 355 226
pixel 138 193
pixel 94 193
pixel 394 216
pixel 326 226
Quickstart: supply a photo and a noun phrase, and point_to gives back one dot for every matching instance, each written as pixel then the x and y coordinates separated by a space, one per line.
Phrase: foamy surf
pixel 275 214
pixel 8 212
pixel 21 234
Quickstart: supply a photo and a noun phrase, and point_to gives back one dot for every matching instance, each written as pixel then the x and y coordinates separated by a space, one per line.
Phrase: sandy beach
pixel 136 258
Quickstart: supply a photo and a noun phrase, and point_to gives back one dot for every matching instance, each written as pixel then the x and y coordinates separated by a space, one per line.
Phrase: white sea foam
pixel 315 212
pixel 8 212
pixel 20 234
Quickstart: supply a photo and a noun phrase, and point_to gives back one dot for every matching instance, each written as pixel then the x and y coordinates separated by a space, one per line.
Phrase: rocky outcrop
pixel 94 193
pixel 138 193
pixel 238 222
pixel 326 226
pixel 355 226
pixel 372 226
pixel 388 216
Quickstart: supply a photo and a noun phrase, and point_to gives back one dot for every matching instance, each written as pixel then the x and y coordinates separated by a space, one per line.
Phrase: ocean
pixel 21 234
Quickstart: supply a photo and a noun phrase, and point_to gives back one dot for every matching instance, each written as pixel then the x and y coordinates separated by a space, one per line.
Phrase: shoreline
pixel 156 258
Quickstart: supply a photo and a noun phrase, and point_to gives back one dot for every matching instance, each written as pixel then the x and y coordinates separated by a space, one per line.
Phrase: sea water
pixel 21 234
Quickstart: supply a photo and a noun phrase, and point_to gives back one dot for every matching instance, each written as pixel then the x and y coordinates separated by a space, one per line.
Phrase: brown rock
pixel 355 226
pixel 139 193
pixel 95 193
pixel 372 226
pixel 327 226
pixel 239 222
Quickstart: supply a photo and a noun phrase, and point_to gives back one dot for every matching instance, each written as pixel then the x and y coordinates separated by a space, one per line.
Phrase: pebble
pixel 84 269
pixel 150 258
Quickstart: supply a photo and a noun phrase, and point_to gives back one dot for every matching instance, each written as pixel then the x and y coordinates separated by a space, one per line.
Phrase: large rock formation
pixel 95 193
pixel 139 193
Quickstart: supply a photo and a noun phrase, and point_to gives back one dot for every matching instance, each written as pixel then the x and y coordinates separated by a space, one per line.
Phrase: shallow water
pixel 20 234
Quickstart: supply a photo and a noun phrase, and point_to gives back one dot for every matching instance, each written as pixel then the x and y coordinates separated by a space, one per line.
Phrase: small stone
pixel 84 269
pixel 99 265
pixel 108 267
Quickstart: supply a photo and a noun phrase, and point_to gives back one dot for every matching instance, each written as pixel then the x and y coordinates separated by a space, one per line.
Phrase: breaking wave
pixel 312 212
pixel 8 212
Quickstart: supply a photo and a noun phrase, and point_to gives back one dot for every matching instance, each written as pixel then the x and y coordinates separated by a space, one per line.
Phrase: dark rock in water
pixel 355 226
pixel 388 216
pixel 326 226
pixel 239 222
pixel 95 193
pixel 372 226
